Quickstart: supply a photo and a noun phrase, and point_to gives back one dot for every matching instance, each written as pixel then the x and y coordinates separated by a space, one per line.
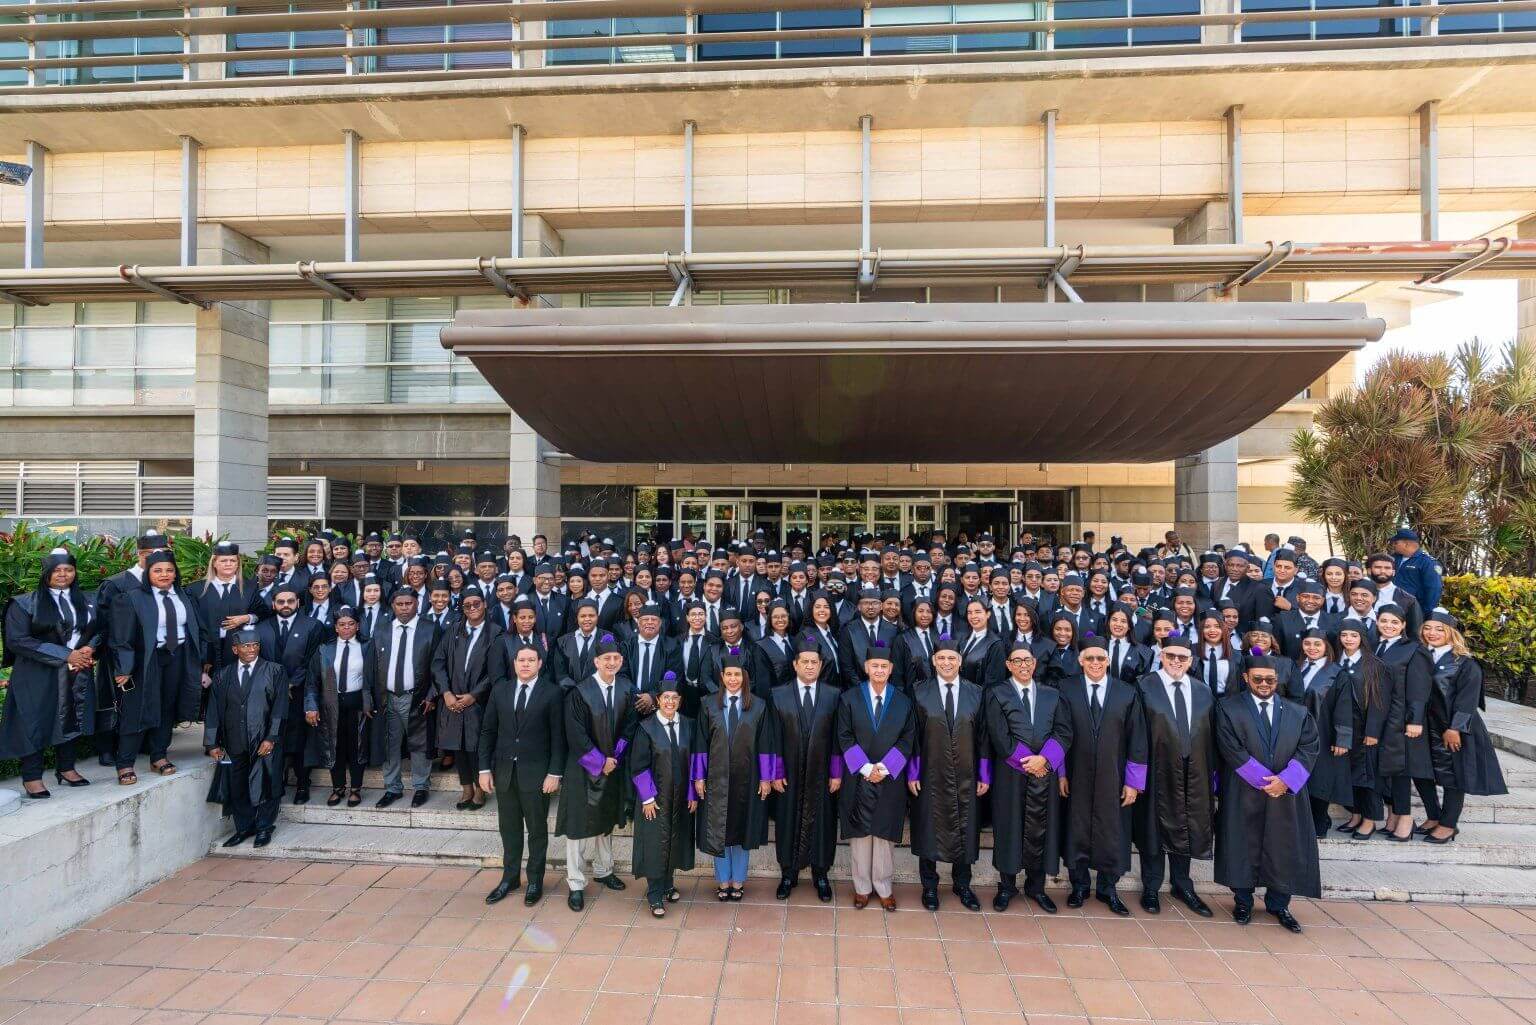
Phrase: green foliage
pixel 1444 443
pixel 1498 617
pixel 22 552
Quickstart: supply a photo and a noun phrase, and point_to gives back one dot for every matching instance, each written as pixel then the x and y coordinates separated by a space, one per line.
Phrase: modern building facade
pixel 322 144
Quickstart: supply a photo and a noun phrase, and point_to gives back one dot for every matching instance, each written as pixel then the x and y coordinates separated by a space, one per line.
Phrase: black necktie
pixel 67 614
pixel 922 638
pixel 879 702
pixel 872 635
pixel 1268 727
pixel 401 645
pixel 672 731
pixel 341 674
pixel 583 644
pixel 1180 709
pixel 1381 648
pixel 944 625
pixel 1213 672
pixel 714 618
pixel 732 717
pixel 1029 708
pixel 613 718
pixel 1093 703
pixel 1114 656
pixel 245 679
pixel 949 705
pixel 172 640
pixel 282 636
pixel 692 669
pixel 522 701
pixel 645 663
pixel 807 707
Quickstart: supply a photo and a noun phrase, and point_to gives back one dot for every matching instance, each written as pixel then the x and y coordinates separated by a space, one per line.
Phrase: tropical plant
pixel 23 549
pixel 1498 618
pixel 1446 444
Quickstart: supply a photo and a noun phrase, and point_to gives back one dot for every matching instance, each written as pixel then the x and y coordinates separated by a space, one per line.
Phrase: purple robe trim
pixel 915 768
pixel 1295 775
pixel 1254 774
pixel 835 770
pixel 1136 775
pixel 1215 782
pixel 698 768
pixel 855 759
pixel 765 768
pixel 984 771
pixel 1020 752
pixel 618 749
pixel 779 772
pixel 593 762
pixel 1053 753
pixel 894 761
pixel 645 786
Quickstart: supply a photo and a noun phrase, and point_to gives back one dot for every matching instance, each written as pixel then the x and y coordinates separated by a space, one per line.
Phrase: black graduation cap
pixel 1363 584
pixel 153 539
pixel 606 645
pixel 373 535
pixel 346 612
pixel 650 608
pixel 360 556
pixel 245 635
pixel 440 584
pixel 226 548
pixel 878 649
pixel 1442 616
pixel 806 643
pixel 1310 587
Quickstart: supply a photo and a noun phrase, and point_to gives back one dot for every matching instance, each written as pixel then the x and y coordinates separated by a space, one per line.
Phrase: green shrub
pixel 1498 617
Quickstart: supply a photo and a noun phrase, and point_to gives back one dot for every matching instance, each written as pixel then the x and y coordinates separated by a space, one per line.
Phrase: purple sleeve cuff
pixel 1215 782
pixel 779 769
pixel 1136 775
pixel 1056 755
pixel 592 761
pixel 894 761
pixel 1295 775
pixel 835 770
pixel 766 769
pixel 619 748
pixel 915 768
pixel 984 771
pixel 1020 752
pixel 699 768
pixel 855 759
pixel 1254 773
pixel 645 786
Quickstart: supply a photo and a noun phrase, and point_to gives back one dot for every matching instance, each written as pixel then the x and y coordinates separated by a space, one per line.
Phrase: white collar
pixel 1439 651
pixel 1272 701
pixel 605 686
pixel 59 592
pixel 528 683
pixel 947 683
pixel 1104 682
pixel 665 721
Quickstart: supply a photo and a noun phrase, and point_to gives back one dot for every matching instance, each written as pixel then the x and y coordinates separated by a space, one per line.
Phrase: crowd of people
pixel 1076 702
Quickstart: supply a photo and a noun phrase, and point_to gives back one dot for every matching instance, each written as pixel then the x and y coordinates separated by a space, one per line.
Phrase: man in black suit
pixel 610 603
pixel 1252 597
pixel 1292 624
pixel 854 640
pixel 522 753
pixel 401 691
pixel 650 655
pixel 247 703
pixel 552 607
pixel 290 640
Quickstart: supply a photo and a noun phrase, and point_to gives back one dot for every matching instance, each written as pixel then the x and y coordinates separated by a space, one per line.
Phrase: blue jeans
pixel 731 866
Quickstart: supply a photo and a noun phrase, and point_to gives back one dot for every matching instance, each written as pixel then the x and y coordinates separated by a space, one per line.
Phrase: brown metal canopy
pixel 904 382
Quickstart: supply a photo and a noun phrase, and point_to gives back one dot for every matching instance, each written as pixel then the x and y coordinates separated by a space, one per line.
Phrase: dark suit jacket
pixel 213 610
pixel 423 646
pixel 667 656
pixel 304 638
pixel 531 744
pixel 852 645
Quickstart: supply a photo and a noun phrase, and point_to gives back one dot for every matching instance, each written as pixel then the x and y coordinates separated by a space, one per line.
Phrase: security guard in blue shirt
pixel 1417 572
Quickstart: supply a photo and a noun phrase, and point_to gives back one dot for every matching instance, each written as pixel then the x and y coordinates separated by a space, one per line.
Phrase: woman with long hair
pixel 1464 760
pixel 1406 754
pixel 1370 700
pixel 1331 702
pixel 1061 659
pixel 821 623
pixel 982 658
pixel 735 764
pixel 914 647
pixel 1127 659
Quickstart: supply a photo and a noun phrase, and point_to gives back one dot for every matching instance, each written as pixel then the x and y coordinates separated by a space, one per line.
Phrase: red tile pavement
pixel 253 942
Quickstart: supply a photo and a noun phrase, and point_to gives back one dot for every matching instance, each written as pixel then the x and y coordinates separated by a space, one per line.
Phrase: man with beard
pixel 805 817
pixel 1029 729
pixel 944 777
pixel 1175 820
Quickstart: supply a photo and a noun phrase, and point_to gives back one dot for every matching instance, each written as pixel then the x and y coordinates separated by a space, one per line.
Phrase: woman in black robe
pixel 773 654
pixel 660 766
pixel 1028 630
pixel 821 623
pixel 735 764
pixel 1370 698
pixel 982 660
pixel 51 639
pixel 914 647
pixel 1331 703
pixel 343 720
pixel 1061 657
pixel 1406 755
pixel 948 618
pixel 1135 660
pixel 1464 758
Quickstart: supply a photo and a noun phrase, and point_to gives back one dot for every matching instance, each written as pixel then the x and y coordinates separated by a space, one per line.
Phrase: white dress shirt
pixel 60 599
pixel 181 615
pixel 1184 681
pixel 354 678
pixel 409 640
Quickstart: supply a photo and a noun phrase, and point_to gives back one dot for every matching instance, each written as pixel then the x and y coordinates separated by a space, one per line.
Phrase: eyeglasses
pixel 1170 656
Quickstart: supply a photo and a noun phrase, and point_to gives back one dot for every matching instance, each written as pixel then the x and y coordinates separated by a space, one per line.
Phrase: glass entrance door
pixel 712 519
pixel 901 518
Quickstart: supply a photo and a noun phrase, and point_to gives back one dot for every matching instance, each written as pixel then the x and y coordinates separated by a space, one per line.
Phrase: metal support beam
pixel 678 268
pixel 1274 258
pixel 351 193
pixel 689 128
pixel 1429 171
pixel 138 280
pixel 1493 248
pixel 191 149
pixel 1048 191
pixel 36 194
pixel 494 275
pixel 518 210
pixel 308 273
pixel 1066 289
pixel 867 263
pixel 1234 119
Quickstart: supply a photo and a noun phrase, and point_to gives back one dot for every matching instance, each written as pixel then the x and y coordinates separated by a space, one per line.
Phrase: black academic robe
pixel 1291 625
pixel 1412 679
pixel 550 614
pixel 914 656
pixel 1026 810
pixel 730 813
pixel 47 703
pixel 135 622
pixel 1058 665
pixel 831 656
pixel 1108 752
pixel 569 662
pixel 1176 814
pixel 1200 669
pixel 592 804
pixel 323 695
pixel 1262 840
pixel 866 808
pixel 294 657
pixel 805 818
pixel 946 819
pixel 1369 711
pixel 473 672
pixel 106 691
pixel 771 665
pixel 1331 703
pixel 239 720
pixel 985 664
pixel 666 657
pixel 213 609
pixel 1454 705
pixel 697 681
pixel 853 645
pixel 1086 618
pixel 660 771
pixel 1135 660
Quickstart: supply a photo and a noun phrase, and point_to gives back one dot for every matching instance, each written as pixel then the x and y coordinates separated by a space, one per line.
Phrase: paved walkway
pixel 285 942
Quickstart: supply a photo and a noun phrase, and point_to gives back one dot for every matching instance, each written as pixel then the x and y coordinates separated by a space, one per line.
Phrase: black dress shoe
pixel 1288 920
pixel 824 889
pixel 301 795
pixel 1112 901
pixel 612 882
pixel 967 898
pixel 1151 903
pixel 575 900
pixel 1242 915
pixel 263 837
pixel 1077 898
pixel 503 888
pixel 1044 901
pixel 1192 901
pixel 83 782
pixel 40 795
pixel 419 798
pixel 464 804
pixel 931 899
pixel 1003 898
pixel 388 799
pixel 239 838
pixel 533 894
pixel 786 885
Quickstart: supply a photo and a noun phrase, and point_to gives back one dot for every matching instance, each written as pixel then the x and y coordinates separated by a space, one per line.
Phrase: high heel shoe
pixel 1345 827
pixel 1399 839
pixel 1357 835
pixel 81 782
pixel 1431 838
pixel 37 795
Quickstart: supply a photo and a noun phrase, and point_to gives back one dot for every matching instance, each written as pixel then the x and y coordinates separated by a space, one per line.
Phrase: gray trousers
pixel 873 865
pixel 397 716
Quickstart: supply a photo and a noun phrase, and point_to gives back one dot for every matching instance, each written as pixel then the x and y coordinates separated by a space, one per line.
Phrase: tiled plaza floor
pixel 253 942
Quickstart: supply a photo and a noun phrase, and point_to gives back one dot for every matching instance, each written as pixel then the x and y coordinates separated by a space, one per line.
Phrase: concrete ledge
pixel 1512 727
pixel 70 858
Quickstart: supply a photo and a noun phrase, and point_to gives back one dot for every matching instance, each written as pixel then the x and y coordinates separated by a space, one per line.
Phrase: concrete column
pixel 533 482
pixel 229 422
pixel 1205 483
pixel 1525 323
